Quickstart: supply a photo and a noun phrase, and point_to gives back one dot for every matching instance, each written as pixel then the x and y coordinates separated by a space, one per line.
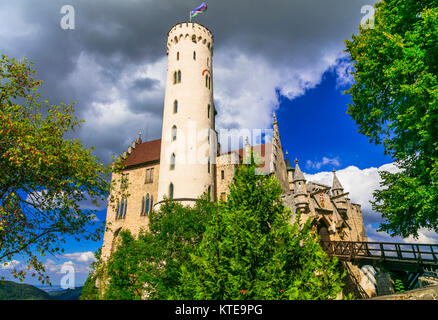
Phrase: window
pixel 175 75
pixel 208 62
pixel 126 207
pixel 171 191
pixel 121 210
pixel 173 133
pixel 149 175
pixel 209 83
pixel 206 81
pixel 179 76
pixel 142 206
pixel 177 56
pixel 175 106
pixel 209 192
pixel 194 38
pixel 208 164
pixel 117 210
pixel 146 209
pixel 124 181
pixel 208 111
pixel 194 55
pixel 152 202
pixel 172 161
pixel 222 174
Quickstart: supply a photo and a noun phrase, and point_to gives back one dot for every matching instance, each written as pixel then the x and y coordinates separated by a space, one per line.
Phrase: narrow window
pixel 208 164
pixel 209 83
pixel 152 202
pixel 222 174
pixel 179 76
pixel 208 62
pixel 122 209
pixel 175 77
pixel 194 55
pixel 206 81
pixel 208 111
pixel 175 106
pixel 173 133
pixel 147 204
pixel 142 206
pixel 171 191
pixel 151 172
pixel 117 210
pixel 172 161
pixel 209 192
pixel 177 56
pixel 194 38
pixel 126 207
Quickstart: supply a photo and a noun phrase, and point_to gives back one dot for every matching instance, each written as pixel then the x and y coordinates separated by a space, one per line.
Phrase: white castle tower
pixel 189 144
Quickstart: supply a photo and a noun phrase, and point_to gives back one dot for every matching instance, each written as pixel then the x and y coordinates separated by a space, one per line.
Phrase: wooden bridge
pixel 395 256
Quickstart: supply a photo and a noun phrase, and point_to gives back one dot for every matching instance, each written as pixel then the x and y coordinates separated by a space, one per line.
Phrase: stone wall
pixel 427 293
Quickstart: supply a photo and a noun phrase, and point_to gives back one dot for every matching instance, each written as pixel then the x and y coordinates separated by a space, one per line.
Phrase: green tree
pixel 44 176
pixel 251 250
pixel 149 266
pixel 395 103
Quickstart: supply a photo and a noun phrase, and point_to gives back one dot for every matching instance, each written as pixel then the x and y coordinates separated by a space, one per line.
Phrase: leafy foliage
pixel 395 103
pixel 250 249
pixel 44 176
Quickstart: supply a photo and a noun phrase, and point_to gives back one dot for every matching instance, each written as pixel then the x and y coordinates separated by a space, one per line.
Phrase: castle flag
pixel 198 10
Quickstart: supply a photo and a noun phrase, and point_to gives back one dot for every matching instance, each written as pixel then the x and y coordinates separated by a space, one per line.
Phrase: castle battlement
pixel 189 31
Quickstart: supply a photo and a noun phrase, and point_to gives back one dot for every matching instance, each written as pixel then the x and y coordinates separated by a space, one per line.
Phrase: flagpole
pixel 190 16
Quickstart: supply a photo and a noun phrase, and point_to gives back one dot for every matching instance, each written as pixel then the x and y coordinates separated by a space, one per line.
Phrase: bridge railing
pixel 407 252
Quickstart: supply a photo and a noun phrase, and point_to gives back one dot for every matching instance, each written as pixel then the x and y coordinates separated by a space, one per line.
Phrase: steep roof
pixel 145 152
pixel 336 184
pixel 298 174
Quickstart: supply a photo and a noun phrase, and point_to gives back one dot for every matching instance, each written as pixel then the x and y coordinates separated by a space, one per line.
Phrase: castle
pixel 187 162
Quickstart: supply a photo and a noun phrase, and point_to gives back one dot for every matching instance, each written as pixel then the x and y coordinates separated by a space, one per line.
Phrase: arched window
pixel 208 164
pixel 209 83
pixel 175 77
pixel 175 106
pixel 172 161
pixel 171 191
pixel 152 202
pixel 194 38
pixel 194 55
pixel 126 207
pixel 117 210
pixel 179 76
pixel 206 81
pixel 174 133
pixel 142 206
pixel 122 209
pixel 177 56
pixel 147 204
pixel 208 111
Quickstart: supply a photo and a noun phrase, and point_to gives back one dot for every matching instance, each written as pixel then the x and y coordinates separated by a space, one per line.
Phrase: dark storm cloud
pixel 87 65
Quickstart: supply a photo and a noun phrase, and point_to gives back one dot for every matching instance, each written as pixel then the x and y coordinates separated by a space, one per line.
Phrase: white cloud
pixel 325 161
pixel 85 257
pixel 10 265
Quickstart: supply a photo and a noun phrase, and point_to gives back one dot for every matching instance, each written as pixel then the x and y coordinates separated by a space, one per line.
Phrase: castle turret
pixel 188 145
pixel 300 190
pixel 338 194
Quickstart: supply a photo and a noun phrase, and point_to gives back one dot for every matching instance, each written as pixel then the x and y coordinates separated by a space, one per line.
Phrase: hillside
pixel 19 291
pixel 10 290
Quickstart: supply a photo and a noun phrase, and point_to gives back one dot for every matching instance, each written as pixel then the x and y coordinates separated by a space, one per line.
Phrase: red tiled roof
pixel 143 153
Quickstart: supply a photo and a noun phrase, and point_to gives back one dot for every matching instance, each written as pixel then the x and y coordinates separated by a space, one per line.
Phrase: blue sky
pixel 286 58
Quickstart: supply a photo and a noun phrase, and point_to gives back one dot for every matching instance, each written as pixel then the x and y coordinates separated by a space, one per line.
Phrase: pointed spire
pixel 336 184
pixel 288 164
pixel 298 175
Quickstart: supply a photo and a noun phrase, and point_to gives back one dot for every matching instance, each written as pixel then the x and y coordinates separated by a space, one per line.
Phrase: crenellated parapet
pixel 189 32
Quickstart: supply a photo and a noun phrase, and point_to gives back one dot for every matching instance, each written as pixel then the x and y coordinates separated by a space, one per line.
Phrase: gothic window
pixel 179 76
pixel 175 75
pixel 171 191
pixel 173 133
pixel 126 207
pixel 175 106
pixel 172 161
pixel 142 206
pixel 122 209
pixel 146 211
pixel 206 80
pixel 194 38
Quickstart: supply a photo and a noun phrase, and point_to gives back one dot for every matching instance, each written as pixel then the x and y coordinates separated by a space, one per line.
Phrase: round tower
pixel 188 144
